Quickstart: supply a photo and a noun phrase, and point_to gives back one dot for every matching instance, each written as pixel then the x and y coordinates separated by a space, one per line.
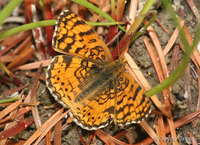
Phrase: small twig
pixel 33 99
pixel 162 26
pixel 175 59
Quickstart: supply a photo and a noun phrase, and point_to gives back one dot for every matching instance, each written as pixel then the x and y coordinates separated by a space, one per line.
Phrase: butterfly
pixel 87 80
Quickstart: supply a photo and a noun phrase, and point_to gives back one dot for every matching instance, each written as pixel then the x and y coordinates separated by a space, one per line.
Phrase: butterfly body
pixel 99 78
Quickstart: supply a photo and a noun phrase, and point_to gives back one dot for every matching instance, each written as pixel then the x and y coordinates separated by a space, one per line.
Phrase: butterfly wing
pixel 97 112
pixel 68 77
pixel 131 104
pixel 64 76
pixel 122 101
pixel 74 36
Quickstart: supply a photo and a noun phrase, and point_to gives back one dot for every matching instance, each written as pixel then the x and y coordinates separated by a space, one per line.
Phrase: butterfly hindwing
pixel 131 105
pixel 96 112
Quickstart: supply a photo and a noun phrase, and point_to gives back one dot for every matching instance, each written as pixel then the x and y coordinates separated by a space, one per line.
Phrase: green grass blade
pixel 44 23
pixel 143 29
pixel 7 10
pixel 26 27
pixel 9 100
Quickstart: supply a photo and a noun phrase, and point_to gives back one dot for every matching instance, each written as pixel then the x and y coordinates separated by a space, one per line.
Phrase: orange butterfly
pixel 86 79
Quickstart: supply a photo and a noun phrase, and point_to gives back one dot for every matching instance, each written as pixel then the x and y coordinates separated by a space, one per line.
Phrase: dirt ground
pixel 137 50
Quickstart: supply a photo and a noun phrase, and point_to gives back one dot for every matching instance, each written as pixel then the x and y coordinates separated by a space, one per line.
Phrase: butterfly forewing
pixel 74 36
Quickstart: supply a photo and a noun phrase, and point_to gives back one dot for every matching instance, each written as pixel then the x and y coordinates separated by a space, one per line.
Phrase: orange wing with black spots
pixel 78 84
pixel 96 112
pixel 131 105
pixel 74 36
pixel 65 76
